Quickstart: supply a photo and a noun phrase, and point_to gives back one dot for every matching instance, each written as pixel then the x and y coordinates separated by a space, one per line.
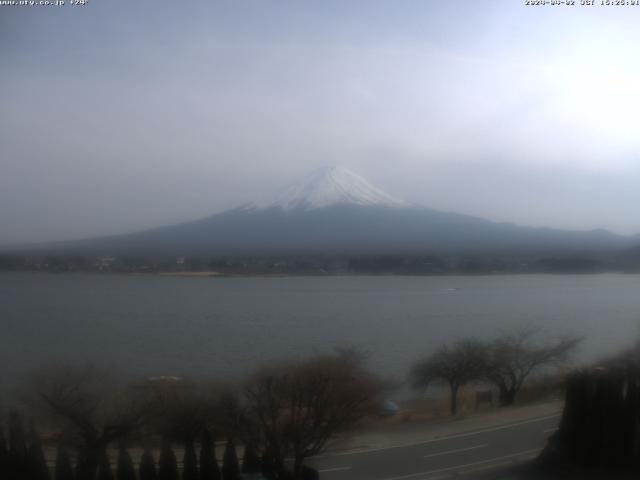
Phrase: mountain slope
pixel 333 211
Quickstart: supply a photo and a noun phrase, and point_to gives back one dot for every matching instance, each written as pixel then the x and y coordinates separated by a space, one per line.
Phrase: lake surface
pixel 224 327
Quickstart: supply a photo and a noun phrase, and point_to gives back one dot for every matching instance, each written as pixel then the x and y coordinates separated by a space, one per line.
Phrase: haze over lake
pixel 224 327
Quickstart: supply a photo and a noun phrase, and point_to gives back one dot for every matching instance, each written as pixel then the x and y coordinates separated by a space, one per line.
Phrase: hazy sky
pixel 121 115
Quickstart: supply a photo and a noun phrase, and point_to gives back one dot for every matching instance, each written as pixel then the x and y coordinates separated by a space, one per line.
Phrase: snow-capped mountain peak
pixel 328 186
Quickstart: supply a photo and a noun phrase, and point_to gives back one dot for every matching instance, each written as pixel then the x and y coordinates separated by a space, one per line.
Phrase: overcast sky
pixel 122 115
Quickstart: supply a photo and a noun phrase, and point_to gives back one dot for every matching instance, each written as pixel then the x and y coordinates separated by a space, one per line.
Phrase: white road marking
pixel 440 439
pixel 466 465
pixel 489 466
pixel 457 450
pixel 336 469
pixel 496 462
pixel 549 430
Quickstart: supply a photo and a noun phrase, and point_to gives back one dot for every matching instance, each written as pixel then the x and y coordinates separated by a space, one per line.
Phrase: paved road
pixel 460 453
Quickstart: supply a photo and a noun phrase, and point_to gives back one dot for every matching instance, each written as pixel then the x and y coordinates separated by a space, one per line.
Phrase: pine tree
pixel 168 465
pixel 308 473
pixel 250 460
pixel 86 464
pixel 4 454
pixel 17 458
pixel 36 463
pixel 230 465
pixel 190 462
pixel 63 470
pixel 267 465
pixel 125 470
pixel 147 469
pixel 104 467
pixel 209 469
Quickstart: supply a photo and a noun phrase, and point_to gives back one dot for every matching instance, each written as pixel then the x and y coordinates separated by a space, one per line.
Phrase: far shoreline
pixel 217 274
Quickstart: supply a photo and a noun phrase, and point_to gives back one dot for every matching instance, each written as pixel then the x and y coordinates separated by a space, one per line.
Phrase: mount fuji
pixel 334 211
pixel 326 187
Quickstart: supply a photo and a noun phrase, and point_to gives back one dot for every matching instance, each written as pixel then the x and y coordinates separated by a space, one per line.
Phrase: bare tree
pixel 299 406
pixel 454 365
pixel 230 416
pixel 89 408
pixel 182 409
pixel 514 356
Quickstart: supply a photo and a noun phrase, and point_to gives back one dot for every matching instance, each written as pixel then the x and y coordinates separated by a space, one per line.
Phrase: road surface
pixel 462 453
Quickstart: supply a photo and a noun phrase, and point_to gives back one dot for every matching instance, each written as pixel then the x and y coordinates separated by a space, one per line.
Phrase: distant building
pixel 104 263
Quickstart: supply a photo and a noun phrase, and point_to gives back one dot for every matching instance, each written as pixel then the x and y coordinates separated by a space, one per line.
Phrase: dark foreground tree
pixel 600 426
pixel 268 466
pixel 104 467
pixel 309 473
pixel 183 408
pixel 456 366
pixel 36 462
pixel 209 469
pixel 190 462
pixel 125 469
pixel 250 460
pixel 91 407
pixel 4 454
pixel 17 458
pixel 230 465
pixel 167 465
pixel 63 469
pixel 87 463
pixel 147 469
pixel 299 406
pixel 513 357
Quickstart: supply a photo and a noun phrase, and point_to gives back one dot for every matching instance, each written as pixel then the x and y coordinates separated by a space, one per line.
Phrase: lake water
pixel 224 327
